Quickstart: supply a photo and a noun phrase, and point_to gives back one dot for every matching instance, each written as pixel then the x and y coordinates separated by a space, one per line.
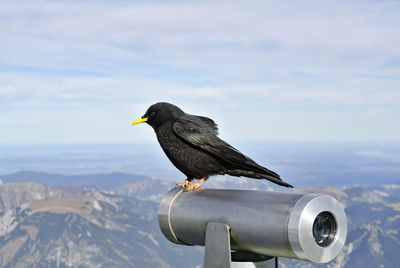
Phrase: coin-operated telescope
pixel 250 226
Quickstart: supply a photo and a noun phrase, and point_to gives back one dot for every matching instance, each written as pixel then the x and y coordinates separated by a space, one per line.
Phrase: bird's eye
pixel 152 114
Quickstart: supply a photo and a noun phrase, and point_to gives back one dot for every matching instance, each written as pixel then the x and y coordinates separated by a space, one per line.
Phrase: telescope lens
pixel 324 229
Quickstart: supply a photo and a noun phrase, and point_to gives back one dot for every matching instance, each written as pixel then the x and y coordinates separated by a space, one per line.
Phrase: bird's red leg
pixel 185 184
pixel 195 186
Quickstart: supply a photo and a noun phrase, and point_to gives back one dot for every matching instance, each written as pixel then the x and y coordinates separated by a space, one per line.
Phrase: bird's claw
pixel 188 186
pixel 193 187
pixel 184 185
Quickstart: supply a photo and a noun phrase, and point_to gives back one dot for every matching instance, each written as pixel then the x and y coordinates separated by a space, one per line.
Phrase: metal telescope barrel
pixel 293 225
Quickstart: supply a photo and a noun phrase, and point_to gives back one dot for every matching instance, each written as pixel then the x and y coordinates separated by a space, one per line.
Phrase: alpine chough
pixel 191 143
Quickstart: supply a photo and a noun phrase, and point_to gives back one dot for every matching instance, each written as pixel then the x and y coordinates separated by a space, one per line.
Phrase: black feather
pixel 192 145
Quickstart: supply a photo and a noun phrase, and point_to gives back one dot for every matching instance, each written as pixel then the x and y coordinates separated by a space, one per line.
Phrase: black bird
pixel 192 145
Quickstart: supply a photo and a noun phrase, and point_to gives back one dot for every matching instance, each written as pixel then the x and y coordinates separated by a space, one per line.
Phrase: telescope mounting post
pixel 217 252
pixel 218 246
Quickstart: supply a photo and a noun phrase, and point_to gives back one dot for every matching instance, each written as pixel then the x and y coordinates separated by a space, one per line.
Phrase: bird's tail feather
pixel 277 181
pixel 244 166
pixel 268 174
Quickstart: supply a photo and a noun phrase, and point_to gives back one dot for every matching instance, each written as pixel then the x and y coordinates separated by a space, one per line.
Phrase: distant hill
pixel 45 226
pixel 113 179
pixel 89 230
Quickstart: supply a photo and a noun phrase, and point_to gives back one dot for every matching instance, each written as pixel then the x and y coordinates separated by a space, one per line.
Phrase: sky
pixel 80 72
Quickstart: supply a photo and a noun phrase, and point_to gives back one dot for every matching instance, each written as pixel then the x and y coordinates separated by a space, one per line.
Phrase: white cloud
pixel 194 34
pixel 311 69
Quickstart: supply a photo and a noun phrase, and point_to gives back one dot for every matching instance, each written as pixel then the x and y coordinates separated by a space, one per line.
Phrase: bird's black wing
pixel 201 132
pixel 205 123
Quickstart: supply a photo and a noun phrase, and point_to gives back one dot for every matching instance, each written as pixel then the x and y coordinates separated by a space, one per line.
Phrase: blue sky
pixel 82 71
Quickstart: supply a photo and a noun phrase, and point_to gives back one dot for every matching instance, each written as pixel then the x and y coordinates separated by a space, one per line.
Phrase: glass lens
pixel 324 229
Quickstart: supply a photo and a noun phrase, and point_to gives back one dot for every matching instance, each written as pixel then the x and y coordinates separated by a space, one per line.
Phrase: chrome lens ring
pixel 317 228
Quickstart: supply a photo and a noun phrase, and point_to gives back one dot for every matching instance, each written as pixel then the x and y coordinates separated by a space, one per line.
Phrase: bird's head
pixel 158 114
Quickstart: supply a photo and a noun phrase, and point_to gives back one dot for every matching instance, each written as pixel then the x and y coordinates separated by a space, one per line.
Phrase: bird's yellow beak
pixel 139 120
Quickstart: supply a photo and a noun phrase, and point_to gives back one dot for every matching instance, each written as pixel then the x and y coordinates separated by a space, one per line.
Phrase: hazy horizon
pixel 299 162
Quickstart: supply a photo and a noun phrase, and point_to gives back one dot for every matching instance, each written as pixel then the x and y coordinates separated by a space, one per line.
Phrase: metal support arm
pixel 218 250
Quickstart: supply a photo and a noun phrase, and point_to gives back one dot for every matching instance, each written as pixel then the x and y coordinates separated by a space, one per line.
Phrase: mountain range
pixel 44 225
